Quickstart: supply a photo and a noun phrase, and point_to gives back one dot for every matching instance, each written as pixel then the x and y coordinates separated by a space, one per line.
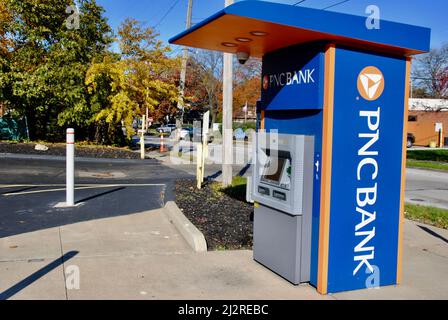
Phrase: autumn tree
pixel 247 85
pixel 5 49
pixel 246 92
pixel 141 78
pixel 210 74
pixel 195 91
pixel 5 21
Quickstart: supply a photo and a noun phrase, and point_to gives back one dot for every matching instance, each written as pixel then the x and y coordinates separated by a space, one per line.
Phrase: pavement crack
pixel 29 260
pixel 63 263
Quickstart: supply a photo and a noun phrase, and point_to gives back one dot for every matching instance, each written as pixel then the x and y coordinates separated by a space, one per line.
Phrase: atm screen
pixel 273 170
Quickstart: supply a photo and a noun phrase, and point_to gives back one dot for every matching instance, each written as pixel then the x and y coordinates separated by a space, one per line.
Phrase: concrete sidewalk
pixel 142 256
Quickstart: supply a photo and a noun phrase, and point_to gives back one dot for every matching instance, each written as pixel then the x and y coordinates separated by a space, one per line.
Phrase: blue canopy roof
pixel 286 25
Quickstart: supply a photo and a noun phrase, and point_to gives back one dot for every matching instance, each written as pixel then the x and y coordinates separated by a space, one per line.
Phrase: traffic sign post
pixel 142 132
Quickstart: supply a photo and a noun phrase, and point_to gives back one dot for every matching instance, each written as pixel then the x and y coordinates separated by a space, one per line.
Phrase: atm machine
pixel 283 191
pixel 329 178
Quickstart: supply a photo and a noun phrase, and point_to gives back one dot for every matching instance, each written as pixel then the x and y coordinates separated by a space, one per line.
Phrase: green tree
pixel 142 78
pixel 47 63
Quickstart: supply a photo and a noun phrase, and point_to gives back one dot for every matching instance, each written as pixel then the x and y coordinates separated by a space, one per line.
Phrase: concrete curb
pixel 191 234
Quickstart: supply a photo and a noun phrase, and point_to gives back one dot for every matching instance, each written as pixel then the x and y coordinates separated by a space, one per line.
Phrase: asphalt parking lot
pixel 27 208
pixel 30 190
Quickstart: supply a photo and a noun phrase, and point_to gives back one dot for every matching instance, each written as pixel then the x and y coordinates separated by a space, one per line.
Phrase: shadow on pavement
pixel 214 176
pixel 433 233
pixel 99 195
pixel 36 210
pixel 8 293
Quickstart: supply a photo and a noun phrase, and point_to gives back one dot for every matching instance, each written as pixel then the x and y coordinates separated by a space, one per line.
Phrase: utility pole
pixel 227 117
pixel 183 72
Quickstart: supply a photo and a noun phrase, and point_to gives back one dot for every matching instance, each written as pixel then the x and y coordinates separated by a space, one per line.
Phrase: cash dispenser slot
pixel 279 195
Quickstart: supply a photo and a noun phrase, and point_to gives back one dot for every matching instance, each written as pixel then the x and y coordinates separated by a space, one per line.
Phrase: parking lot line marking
pixel 84 187
pixel 48 190
pixel 22 189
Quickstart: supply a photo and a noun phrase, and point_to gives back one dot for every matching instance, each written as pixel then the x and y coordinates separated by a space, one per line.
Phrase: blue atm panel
pixel 366 169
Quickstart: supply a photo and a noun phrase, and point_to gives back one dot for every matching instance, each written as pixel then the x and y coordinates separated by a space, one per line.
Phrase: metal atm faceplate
pixel 279 170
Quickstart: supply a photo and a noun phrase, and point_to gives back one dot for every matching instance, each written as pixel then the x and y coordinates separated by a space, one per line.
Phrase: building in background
pixel 425 116
pixel 245 113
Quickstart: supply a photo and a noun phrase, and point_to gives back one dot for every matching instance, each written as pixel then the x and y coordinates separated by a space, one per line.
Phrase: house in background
pixel 242 115
pixel 425 115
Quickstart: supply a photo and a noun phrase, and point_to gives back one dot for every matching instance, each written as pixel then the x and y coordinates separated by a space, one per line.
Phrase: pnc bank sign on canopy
pixel 289 78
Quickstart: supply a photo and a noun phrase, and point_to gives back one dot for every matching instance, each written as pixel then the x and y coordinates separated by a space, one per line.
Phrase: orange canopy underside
pixel 229 27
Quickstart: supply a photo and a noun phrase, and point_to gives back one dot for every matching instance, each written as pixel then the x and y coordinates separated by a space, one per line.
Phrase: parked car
pixel 186 133
pixel 194 135
pixel 239 134
pixel 167 128
pixel 411 140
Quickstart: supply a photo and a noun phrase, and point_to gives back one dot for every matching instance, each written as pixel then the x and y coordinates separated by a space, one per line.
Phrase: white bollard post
pixel 70 183
pixel 142 147
pixel 142 138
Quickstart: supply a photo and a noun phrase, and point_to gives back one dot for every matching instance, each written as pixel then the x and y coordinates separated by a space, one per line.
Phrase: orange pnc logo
pixel 371 83
pixel 265 82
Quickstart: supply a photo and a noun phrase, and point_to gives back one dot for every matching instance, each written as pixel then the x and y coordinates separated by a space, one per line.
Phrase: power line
pixel 167 13
pixel 336 4
pixel 299 2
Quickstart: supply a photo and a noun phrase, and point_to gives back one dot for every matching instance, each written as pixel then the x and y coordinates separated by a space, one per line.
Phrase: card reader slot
pixel 265 191
pixel 279 195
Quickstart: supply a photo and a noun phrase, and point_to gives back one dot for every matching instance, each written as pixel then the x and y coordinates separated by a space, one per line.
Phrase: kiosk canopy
pixel 259 27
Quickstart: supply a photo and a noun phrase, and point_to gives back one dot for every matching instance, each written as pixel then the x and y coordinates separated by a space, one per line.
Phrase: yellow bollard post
pixel 199 156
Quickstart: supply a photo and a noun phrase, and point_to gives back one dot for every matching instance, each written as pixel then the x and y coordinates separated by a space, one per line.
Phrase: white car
pixel 167 128
pixel 185 133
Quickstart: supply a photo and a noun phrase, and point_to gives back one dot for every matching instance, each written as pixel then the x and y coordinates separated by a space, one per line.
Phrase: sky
pixel 169 16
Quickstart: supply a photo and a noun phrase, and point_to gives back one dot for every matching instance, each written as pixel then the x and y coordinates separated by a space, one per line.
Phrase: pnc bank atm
pixel 287 160
pixel 330 153
pixel 283 191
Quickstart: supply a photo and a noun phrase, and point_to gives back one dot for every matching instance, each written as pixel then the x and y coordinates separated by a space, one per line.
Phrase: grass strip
pixel 428 215
pixel 427 165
